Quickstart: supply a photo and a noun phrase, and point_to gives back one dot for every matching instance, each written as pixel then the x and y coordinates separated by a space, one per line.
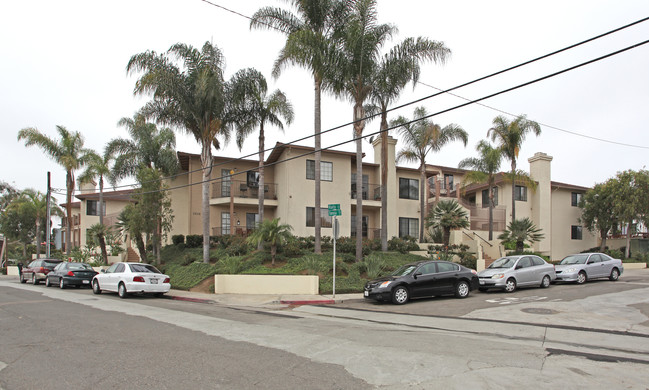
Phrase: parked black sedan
pixel 423 279
pixel 70 274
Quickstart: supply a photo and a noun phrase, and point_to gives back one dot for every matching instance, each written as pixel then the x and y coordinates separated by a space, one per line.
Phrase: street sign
pixel 334 209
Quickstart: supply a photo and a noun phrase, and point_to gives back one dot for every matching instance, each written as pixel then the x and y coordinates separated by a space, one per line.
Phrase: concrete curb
pixel 307 302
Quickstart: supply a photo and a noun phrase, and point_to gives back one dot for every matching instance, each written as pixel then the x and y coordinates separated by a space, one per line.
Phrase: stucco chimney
pixel 540 171
pixel 392 184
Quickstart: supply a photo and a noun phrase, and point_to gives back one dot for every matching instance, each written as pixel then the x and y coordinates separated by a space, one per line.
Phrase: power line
pixel 447 91
pixel 565 70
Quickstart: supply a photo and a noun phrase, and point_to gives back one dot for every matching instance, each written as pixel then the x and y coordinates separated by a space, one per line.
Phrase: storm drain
pixel 537 310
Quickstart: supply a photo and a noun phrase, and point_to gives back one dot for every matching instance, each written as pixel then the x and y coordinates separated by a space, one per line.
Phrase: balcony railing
pixel 238 231
pixel 370 191
pixel 242 189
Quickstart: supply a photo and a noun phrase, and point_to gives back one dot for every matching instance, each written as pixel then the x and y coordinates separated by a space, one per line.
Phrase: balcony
pixel 242 192
pixel 238 231
pixel 371 192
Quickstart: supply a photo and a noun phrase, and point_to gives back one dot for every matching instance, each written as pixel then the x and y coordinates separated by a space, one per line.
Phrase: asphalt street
pixel 595 335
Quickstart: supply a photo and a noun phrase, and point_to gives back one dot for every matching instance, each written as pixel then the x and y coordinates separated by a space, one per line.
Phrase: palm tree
pixel 484 170
pixel 189 92
pixel 68 151
pixel 510 137
pixel 394 71
pixel 272 232
pixel 447 215
pixel 253 109
pixel 420 138
pixel 34 204
pixel 99 231
pixel 130 221
pixel 99 167
pixel 309 32
pixel 519 231
pixel 7 194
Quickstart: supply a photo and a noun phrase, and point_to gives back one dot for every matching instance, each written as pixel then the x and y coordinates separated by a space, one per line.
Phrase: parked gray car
pixel 584 266
pixel 511 272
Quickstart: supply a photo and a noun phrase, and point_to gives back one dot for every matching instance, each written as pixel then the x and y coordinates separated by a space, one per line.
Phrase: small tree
pixel 520 231
pixel 447 215
pixel 272 232
pixel 596 208
pixel 99 232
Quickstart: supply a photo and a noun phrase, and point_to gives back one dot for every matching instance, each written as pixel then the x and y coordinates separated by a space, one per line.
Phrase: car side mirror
pixel 518 267
pixel 103 271
pixel 416 275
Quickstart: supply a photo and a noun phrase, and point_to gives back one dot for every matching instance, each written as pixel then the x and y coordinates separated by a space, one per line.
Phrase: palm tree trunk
pixel 206 162
pixel 101 201
pixel 68 209
pixel 273 252
pixel 384 180
pixel 422 204
pixel 491 213
pixel 318 156
pixel 141 248
pixel 102 246
pixel 261 191
pixel 38 238
pixel 359 113
pixel 513 190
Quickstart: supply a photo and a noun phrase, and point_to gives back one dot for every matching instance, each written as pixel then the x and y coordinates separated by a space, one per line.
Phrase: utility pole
pixel 48 227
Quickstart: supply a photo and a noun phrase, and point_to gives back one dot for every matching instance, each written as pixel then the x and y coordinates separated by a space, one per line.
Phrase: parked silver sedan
pixel 511 272
pixel 584 266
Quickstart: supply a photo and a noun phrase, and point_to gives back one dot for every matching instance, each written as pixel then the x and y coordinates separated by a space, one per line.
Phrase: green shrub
pixel 189 258
pixel 615 253
pixel 237 246
pixel 186 277
pixel 312 264
pixel 194 241
pixel 230 265
pixel 403 245
pixel 178 239
pixel 375 266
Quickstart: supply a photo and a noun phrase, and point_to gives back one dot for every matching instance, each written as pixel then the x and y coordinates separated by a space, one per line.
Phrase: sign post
pixel 334 211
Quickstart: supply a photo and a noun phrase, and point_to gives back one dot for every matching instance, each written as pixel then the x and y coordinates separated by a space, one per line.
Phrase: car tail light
pixel 70 273
pixel 138 279
pixel 474 272
pixel 41 270
pixel 166 280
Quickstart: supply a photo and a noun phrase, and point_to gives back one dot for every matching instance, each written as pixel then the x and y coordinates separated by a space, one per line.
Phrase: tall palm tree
pixel 99 167
pixel 309 30
pixel 189 92
pixel 421 138
pixel 394 71
pixel 447 215
pixel 510 137
pixel 272 232
pixel 520 231
pixel 484 169
pixel 34 204
pixel 67 151
pixel 352 71
pixel 253 109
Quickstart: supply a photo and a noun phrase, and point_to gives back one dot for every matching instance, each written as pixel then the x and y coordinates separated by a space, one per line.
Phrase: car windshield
pixel 79 266
pixel 144 268
pixel 404 270
pixel 503 262
pixel 575 259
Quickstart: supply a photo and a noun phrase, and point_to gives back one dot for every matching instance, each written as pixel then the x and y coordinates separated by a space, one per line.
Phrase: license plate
pixel 154 281
pixel 85 281
pixel 367 293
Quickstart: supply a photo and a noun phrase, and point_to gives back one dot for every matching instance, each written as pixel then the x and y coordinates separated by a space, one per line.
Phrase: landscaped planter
pixel 634 265
pixel 266 284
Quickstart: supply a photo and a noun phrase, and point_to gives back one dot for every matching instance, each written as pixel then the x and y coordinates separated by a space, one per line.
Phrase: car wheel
pixel 22 278
pixel 615 274
pixel 47 282
pixel 61 284
pixel 581 277
pixel 121 290
pixel 510 286
pixel 545 282
pixel 462 289
pixel 95 287
pixel 34 281
pixel 400 295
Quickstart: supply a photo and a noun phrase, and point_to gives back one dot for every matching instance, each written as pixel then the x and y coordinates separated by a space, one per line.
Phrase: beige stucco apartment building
pixel 289 195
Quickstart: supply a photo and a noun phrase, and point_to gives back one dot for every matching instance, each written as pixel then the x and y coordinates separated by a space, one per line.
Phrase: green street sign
pixel 334 209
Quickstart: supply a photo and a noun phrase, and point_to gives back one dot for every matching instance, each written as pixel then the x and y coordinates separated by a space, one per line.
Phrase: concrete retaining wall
pixel 266 284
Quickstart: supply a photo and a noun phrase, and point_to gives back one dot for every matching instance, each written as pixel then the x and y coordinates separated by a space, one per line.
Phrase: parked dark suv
pixel 37 270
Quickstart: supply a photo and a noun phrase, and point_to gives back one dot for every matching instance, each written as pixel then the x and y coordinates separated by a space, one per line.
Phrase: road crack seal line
pixel 595 357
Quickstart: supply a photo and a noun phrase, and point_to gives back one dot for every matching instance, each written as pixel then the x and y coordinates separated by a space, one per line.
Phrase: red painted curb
pixel 321 302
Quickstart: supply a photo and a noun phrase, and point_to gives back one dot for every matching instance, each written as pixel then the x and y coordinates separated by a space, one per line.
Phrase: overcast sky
pixel 63 63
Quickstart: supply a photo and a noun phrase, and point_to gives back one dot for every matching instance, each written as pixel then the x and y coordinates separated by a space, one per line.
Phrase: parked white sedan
pixel 126 278
pixel 585 266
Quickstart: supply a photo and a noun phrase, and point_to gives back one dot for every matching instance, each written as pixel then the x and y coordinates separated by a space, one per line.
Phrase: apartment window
pixel 448 178
pixel 520 193
pixel 252 220
pixel 408 227
pixel 575 232
pixel 366 185
pixel 226 180
pixel 485 197
pixel 408 188
pixel 92 207
pixel 576 198
pixel 326 170
pixel 325 219
pixel 252 179
pixel 225 223
pixel 364 223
